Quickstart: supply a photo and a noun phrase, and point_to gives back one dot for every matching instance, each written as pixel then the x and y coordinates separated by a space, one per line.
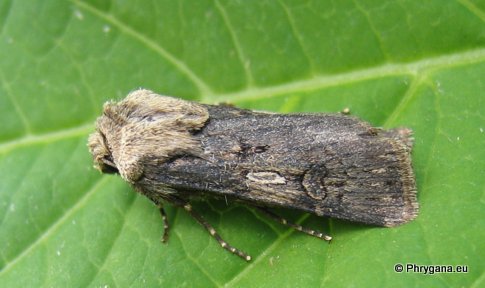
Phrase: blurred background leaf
pixel 419 64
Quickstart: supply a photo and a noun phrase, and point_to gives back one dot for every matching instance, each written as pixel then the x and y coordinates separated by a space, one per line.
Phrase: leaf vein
pixel 149 43
pixel 325 81
pixel 82 76
pixel 197 264
pixel 264 253
pixel 405 99
pixel 452 60
pixel 45 137
pixel 473 9
pixel 16 105
pixel 237 44
pixel 4 19
pixel 296 34
pixel 114 240
pixel 11 194
pixel 373 29
pixel 52 228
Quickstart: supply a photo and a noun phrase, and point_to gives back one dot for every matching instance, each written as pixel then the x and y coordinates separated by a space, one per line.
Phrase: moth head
pixel 102 156
pixel 144 126
pixel 104 142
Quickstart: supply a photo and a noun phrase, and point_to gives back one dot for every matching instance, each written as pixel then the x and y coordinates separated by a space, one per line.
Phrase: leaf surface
pixel 393 63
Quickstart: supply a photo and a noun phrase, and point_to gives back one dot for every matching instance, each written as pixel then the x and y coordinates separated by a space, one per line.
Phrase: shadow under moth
pixel 176 151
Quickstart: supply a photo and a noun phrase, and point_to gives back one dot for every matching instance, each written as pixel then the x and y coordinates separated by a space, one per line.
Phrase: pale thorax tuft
pixel 144 127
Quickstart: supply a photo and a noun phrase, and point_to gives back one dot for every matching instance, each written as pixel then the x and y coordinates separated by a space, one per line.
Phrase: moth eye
pixel 108 169
pixel 108 159
pixel 108 166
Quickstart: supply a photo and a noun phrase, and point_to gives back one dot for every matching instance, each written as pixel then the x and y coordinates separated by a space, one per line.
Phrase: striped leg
pixel 214 233
pixel 165 224
pixel 297 227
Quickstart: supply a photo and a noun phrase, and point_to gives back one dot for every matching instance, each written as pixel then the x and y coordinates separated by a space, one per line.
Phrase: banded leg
pixel 297 227
pixel 164 238
pixel 214 233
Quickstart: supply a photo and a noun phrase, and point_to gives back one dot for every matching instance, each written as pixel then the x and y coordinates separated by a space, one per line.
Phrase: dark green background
pixel 419 64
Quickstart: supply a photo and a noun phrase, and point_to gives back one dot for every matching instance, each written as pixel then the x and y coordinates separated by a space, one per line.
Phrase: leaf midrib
pixel 251 92
pixel 426 67
pixel 53 136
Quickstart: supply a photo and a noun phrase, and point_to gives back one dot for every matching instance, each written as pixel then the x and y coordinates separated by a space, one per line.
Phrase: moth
pixel 176 151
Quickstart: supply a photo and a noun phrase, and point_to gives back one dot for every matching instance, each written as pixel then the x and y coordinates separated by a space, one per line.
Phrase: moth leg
pixel 297 227
pixel 214 233
pixel 166 228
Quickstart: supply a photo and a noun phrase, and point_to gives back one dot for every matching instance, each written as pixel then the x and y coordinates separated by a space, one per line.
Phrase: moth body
pixel 331 165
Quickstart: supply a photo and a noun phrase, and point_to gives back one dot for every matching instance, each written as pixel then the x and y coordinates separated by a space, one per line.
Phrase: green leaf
pixel 419 64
